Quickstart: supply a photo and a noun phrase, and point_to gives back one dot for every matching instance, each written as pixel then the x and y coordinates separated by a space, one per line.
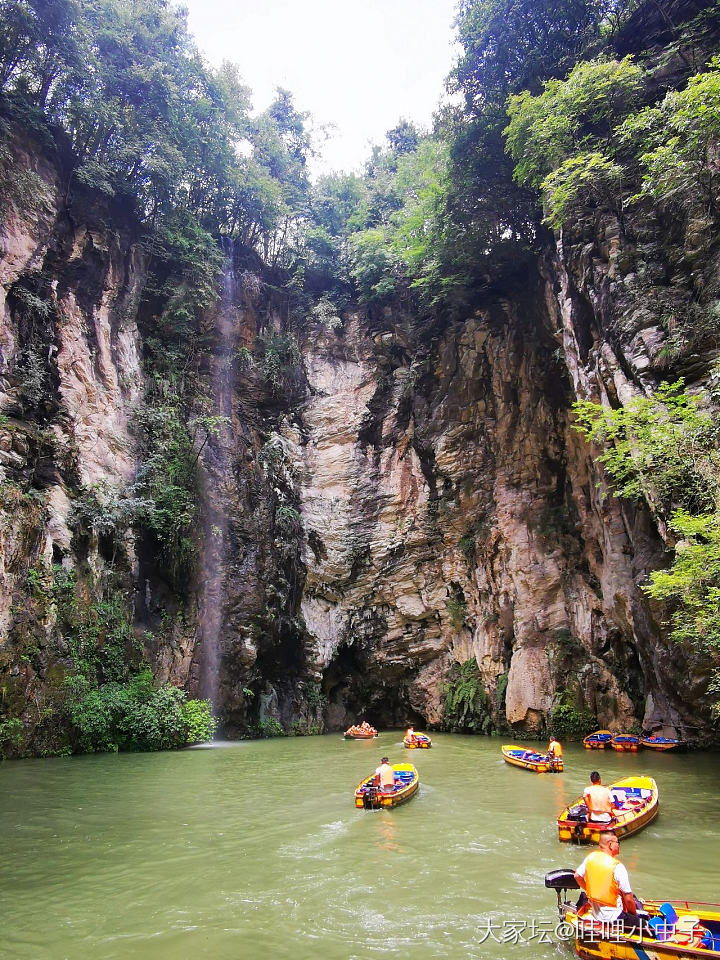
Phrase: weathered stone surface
pixel 413 497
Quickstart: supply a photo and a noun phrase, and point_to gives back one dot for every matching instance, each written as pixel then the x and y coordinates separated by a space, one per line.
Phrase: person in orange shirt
pixel 598 800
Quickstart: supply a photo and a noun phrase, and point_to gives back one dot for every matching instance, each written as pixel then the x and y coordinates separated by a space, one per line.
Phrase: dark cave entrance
pixel 352 681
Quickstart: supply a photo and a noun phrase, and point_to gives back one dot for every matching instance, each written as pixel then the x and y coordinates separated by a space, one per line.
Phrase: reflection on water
pixel 388 832
pixel 256 850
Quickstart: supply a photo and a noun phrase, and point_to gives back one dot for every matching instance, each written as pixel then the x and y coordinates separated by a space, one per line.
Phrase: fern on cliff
pixel 466 702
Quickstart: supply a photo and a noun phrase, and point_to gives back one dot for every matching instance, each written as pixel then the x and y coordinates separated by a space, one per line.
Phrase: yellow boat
pixel 597 740
pixel 661 743
pixel 625 743
pixel 531 759
pixel 361 731
pixel 672 929
pixel 638 799
pixel 418 741
pixel 371 797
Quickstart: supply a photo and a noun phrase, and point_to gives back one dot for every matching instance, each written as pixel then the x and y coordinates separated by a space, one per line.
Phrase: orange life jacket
pixel 600 878
pixel 555 748
pixel 598 798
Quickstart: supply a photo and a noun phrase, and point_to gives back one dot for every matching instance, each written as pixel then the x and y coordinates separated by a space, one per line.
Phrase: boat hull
pixel 594 941
pixel 419 743
pixel 537 764
pixel 660 743
pixel 352 736
pixel 642 799
pixel 597 740
pixel 407 781
pixel 625 743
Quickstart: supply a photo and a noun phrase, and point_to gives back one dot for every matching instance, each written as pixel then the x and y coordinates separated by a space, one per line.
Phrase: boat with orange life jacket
pixel 670 930
pixel 416 741
pixel 361 731
pixel 531 759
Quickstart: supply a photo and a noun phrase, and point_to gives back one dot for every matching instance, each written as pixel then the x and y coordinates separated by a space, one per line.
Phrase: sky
pixel 358 65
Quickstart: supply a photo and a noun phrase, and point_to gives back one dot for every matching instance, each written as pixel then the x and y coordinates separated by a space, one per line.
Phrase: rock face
pixel 401 496
pixel 451 512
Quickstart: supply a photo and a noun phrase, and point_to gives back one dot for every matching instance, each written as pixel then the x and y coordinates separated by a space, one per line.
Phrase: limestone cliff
pixel 381 500
pixel 451 512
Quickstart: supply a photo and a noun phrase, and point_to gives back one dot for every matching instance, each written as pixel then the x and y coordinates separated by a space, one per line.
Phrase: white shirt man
pixel 386 775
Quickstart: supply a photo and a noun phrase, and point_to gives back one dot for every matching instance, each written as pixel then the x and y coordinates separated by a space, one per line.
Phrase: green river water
pixel 256 850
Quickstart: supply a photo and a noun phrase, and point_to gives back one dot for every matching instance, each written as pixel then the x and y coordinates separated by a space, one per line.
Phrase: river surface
pixel 256 850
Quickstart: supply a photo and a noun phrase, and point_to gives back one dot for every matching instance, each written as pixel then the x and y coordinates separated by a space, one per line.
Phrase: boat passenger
pixel 606 883
pixel 554 749
pixel 385 776
pixel 598 800
pixel 410 735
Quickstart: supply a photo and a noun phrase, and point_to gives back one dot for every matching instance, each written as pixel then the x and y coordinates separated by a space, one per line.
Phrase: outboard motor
pixel 560 881
pixel 370 798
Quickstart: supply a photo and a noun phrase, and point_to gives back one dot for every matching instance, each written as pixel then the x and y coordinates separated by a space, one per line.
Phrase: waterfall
pixel 215 478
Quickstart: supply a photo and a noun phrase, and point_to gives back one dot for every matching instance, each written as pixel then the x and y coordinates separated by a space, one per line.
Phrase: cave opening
pixel 358 690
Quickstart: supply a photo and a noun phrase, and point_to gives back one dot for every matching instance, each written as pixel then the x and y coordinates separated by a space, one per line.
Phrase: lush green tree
pixel 136 715
pixel 281 147
pixel 569 115
pixel 403 138
pixel 663 448
pixel 336 200
pixel 563 140
pixel 372 265
pixel 149 123
pixel 666 449
pixel 683 134
pixel 691 582
pixel 507 46
pixel 588 181
pixel 512 45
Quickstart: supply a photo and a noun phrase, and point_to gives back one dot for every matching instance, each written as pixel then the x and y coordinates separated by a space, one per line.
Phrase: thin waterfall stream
pixel 215 473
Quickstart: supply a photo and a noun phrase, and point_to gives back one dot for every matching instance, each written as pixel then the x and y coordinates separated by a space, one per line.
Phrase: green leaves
pixel 466 702
pixel 167 482
pixel 373 267
pixel 568 720
pixel 683 134
pixel 584 181
pixel 665 448
pixel 691 584
pixel 136 716
pixel 510 45
pixel 149 122
pixel 551 136
pixel 401 212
